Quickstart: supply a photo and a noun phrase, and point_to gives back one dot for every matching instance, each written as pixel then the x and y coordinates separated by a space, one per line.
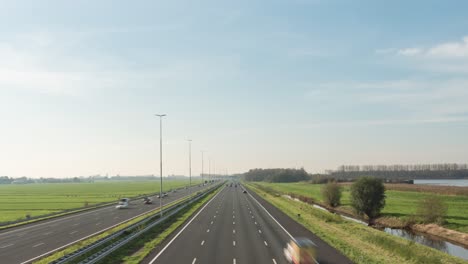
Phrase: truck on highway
pixel 301 251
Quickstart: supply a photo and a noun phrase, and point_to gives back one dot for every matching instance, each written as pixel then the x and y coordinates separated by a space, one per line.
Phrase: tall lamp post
pixel 190 166
pixel 202 161
pixel 160 161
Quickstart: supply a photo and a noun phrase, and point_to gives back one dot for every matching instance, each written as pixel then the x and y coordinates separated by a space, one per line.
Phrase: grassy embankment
pixel 400 203
pixel 358 242
pixel 18 201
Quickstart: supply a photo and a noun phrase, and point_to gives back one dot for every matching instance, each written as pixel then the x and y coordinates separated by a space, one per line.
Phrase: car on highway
pixel 123 203
pixel 244 191
pixel 301 251
pixel 147 200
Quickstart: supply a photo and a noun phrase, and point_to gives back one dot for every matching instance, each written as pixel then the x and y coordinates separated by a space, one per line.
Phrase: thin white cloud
pixel 450 49
pixel 416 101
pixel 388 122
pixel 410 51
pixel 42 63
pixel 385 51
pixel 457 49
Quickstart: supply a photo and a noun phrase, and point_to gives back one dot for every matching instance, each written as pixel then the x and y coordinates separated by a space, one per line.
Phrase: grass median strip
pixel 90 240
pixel 360 243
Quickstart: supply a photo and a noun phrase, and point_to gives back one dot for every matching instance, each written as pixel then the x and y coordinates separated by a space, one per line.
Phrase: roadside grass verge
pixel 400 205
pixel 360 243
pixel 92 239
pixel 141 247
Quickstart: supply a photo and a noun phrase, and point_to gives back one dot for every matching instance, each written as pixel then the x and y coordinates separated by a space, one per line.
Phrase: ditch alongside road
pixel 359 242
pixel 420 238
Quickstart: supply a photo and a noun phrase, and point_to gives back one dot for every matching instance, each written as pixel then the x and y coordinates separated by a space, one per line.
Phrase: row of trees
pixel 25 180
pixel 404 167
pixel 368 199
pixel 276 175
pixel 402 172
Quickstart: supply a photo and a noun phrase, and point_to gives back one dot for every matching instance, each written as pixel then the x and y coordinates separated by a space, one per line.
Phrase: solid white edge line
pixel 182 230
pixel 284 229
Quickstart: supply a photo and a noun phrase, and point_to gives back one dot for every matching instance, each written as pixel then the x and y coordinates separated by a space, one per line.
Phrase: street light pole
pixel 160 162
pixel 203 183
pixel 190 166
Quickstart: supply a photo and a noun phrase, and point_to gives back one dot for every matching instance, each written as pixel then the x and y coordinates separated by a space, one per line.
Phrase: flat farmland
pixel 19 201
pixel 399 203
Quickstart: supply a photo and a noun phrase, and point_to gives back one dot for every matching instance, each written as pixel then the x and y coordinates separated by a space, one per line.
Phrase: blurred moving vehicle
pixel 244 191
pixel 123 203
pixel 301 251
pixel 163 195
pixel 147 200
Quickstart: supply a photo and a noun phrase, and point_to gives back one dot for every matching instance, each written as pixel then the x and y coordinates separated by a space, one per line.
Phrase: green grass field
pixel 358 242
pixel 401 204
pixel 17 201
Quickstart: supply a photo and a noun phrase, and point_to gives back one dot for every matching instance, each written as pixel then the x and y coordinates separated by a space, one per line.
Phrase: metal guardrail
pixel 170 211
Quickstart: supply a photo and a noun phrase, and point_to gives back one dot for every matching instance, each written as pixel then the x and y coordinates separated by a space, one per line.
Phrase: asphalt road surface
pixel 25 243
pixel 236 227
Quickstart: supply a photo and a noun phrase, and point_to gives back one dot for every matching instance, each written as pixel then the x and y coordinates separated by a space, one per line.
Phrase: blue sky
pixel 295 83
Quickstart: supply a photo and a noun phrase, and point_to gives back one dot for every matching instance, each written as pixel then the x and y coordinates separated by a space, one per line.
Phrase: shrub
pixel 331 193
pixel 368 197
pixel 432 210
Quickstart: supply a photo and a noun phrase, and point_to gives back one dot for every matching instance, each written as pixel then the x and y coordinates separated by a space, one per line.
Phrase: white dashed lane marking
pixel 194 260
pixel 40 244
pixel 5 246
pixel 73 232
pixel 266 244
pixel 203 242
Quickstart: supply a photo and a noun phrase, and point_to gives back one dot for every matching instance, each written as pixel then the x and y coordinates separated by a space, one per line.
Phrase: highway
pixel 236 227
pixel 23 244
